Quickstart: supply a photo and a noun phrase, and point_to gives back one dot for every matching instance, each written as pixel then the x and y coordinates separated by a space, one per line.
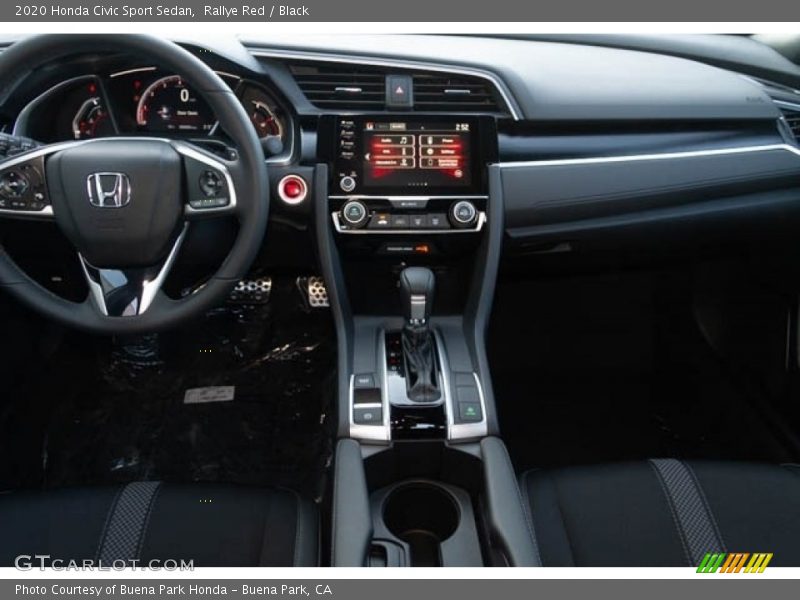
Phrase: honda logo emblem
pixel 108 190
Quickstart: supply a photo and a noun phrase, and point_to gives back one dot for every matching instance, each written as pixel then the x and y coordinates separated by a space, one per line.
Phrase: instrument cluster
pixel 145 101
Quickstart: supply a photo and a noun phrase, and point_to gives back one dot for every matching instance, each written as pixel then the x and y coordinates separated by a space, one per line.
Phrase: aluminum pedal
pixel 316 292
pixel 252 291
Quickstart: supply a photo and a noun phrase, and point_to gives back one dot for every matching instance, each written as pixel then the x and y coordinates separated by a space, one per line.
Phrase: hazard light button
pixel 399 91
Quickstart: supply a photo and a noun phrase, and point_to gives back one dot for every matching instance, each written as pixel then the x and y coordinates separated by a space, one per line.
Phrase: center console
pixel 409 223
pixel 409 196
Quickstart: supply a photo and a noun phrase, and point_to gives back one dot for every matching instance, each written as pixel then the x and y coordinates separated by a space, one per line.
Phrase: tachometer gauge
pixel 91 120
pixel 169 104
pixel 264 120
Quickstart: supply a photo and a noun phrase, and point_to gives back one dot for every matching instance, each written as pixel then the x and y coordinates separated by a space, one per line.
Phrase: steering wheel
pixel 126 204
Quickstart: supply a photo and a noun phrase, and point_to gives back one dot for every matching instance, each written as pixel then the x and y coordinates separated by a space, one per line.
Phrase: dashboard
pixel 144 101
pixel 578 136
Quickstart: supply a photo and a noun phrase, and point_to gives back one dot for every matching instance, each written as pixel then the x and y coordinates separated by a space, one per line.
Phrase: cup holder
pixel 423 516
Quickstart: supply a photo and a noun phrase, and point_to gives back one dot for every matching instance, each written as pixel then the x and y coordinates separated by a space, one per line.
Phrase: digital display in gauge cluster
pixel 169 105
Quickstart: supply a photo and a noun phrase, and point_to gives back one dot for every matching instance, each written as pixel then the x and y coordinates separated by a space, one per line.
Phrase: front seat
pixel 663 512
pixel 212 524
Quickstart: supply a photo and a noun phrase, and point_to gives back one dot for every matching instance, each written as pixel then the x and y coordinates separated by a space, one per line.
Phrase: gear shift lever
pixel 416 287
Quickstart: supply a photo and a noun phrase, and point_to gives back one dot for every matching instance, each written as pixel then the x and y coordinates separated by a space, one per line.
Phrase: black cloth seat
pixel 213 525
pixel 663 512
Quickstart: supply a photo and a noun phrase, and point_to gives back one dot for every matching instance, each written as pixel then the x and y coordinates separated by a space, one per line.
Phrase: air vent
pixel 344 86
pixel 435 92
pixel 341 86
pixel 792 116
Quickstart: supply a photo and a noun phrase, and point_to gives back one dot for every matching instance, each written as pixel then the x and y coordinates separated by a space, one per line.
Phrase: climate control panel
pixel 410 215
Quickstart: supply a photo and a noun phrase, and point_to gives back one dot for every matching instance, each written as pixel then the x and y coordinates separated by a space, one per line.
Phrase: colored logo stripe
pixel 734 562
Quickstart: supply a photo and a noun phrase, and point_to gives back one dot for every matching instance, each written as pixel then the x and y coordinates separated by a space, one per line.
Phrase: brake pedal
pixel 317 293
pixel 252 291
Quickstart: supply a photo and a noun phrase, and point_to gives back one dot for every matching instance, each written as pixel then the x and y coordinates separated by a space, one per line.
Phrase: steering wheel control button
pixel 213 189
pixel 292 189
pixel 13 184
pixel 368 415
pixel 463 214
pixel 211 184
pixel 347 184
pixel 354 214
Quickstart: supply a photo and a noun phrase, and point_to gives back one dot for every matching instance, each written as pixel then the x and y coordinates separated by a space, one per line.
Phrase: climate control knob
pixel 347 183
pixel 463 214
pixel 354 214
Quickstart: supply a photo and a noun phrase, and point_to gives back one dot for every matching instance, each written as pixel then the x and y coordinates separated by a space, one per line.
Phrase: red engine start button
pixel 292 189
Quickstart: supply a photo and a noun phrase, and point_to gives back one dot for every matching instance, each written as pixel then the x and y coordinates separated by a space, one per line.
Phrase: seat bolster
pixel 756 507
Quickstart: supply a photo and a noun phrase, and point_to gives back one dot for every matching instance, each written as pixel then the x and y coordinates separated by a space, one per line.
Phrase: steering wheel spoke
pixel 24 192
pixel 129 292
pixel 210 190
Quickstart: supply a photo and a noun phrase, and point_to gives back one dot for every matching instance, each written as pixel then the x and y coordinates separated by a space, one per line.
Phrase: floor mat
pixel 611 368
pixel 115 411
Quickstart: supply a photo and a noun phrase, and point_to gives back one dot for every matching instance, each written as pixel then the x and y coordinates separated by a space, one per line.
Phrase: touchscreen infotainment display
pixel 409 153
pixel 388 155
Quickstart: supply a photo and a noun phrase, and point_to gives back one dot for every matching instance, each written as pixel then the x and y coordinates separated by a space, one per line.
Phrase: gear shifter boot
pixel 420 359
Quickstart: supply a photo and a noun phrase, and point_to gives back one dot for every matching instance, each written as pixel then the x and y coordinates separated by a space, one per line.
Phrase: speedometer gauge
pixel 169 104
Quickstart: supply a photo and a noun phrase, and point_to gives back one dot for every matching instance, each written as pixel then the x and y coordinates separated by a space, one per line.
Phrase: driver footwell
pixel 243 395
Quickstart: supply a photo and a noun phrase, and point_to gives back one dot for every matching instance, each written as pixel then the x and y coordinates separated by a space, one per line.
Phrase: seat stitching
pixel 146 526
pixel 107 520
pixel 528 518
pixel 703 498
pixel 673 513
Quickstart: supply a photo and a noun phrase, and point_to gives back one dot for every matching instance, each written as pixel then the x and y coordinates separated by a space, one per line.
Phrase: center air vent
pixel 341 86
pixel 345 86
pixel 436 92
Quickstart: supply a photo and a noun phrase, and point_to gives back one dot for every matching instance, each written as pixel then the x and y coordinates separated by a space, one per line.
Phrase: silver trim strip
pixel 338 226
pixel 149 289
pixel 643 157
pixel 458 431
pixel 791 105
pixel 408 197
pixel 494 79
